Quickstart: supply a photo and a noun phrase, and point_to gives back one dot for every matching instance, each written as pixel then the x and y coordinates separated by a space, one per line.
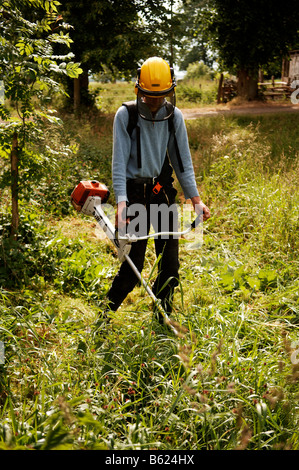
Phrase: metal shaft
pixel 93 207
pixel 149 291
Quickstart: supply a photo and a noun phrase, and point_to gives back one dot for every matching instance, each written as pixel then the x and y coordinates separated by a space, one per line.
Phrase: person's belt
pixel 141 181
pixel 152 181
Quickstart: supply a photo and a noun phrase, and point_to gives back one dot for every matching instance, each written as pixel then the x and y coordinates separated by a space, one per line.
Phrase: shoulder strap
pixel 172 131
pixel 133 116
pixel 132 124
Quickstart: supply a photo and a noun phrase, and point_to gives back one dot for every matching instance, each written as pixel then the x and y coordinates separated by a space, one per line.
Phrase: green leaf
pixel 254 282
pixel 73 70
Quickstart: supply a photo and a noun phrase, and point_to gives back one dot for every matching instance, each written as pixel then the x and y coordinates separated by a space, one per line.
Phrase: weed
pixel 229 381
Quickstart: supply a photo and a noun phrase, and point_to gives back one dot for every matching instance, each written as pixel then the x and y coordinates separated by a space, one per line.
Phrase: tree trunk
pixel 80 91
pixel 14 161
pixel 247 85
pixel 77 95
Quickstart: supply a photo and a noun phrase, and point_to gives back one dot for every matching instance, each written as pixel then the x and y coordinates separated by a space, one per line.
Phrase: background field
pixel 190 93
pixel 231 381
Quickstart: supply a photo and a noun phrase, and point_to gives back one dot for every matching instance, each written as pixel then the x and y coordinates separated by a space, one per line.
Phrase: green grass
pixel 229 382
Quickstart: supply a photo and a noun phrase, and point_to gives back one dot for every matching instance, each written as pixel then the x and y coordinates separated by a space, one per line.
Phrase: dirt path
pixel 254 108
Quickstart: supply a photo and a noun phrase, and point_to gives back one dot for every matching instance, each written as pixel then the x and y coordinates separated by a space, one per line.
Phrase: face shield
pixel 155 109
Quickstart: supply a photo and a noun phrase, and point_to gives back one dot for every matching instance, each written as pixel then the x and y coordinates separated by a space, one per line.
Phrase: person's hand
pixel 200 208
pixel 121 219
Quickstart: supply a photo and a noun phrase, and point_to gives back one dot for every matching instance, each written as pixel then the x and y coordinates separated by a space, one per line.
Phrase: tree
pixel 194 45
pixel 107 34
pixel 198 70
pixel 117 35
pixel 29 71
pixel 248 35
pixel 169 29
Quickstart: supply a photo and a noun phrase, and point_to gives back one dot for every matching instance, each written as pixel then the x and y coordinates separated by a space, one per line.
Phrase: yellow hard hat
pixel 155 78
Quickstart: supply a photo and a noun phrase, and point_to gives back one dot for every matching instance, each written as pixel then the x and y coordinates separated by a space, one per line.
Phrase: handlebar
pixel 196 222
pixel 133 238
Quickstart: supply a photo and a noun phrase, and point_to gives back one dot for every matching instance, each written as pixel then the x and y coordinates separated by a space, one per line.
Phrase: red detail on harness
pixel 157 188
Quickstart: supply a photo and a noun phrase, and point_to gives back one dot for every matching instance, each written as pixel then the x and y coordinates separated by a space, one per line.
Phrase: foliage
pixel 249 35
pixel 229 382
pixel 29 71
pixel 102 32
pixel 112 38
pixel 194 46
pixel 28 64
pixel 243 37
pixel 197 86
pixel 198 70
pixel 190 93
pixel 197 95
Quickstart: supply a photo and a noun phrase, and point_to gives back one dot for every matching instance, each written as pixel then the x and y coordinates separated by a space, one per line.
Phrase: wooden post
pixel 14 162
pixel 220 89
pixel 261 76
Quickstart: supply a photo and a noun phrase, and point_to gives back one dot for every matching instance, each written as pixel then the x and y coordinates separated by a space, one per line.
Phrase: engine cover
pixel 89 188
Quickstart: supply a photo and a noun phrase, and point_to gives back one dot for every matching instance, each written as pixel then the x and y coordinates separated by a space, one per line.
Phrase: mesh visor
pixel 155 109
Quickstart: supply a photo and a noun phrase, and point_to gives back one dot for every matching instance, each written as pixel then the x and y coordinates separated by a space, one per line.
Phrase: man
pixel 143 158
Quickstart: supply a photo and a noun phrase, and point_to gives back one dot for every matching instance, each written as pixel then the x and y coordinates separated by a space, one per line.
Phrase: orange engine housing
pixel 89 188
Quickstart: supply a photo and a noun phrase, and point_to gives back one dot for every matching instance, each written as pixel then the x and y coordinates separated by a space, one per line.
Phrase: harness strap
pixel 178 155
pixel 138 147
pixel 132 124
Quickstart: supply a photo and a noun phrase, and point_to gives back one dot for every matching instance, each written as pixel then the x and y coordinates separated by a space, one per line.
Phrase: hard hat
pixel 155 78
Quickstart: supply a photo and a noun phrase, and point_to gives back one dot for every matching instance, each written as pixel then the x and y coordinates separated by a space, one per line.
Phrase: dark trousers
pixel 167 247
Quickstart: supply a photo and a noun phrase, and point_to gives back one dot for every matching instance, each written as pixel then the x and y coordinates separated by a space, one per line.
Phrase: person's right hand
pixel 121 219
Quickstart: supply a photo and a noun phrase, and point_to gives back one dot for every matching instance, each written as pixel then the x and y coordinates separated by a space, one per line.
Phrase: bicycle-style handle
pixel 196 221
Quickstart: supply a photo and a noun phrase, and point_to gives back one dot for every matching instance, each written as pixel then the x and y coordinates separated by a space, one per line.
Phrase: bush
pixel 190 93
pixel 196 94
pixel 199 70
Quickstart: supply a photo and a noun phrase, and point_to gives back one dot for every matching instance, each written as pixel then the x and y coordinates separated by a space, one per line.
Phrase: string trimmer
pixel 87 198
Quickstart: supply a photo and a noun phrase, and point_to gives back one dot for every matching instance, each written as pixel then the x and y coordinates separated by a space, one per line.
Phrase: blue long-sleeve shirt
pixel 154 141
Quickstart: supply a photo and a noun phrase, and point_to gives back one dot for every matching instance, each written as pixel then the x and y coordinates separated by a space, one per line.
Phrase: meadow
pixel 231 380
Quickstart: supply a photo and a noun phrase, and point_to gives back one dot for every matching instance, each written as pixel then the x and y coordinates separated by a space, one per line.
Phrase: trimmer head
pixel 86 189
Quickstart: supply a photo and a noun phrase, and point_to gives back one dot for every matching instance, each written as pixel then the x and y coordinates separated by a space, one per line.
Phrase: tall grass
pixel 190 93
pixel 230 381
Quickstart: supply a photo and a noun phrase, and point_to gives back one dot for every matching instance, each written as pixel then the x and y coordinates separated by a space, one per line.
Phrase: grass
pixel 190 93
pixel 230 382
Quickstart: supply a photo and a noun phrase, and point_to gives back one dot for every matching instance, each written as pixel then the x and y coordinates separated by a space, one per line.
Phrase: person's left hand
pixel 200 208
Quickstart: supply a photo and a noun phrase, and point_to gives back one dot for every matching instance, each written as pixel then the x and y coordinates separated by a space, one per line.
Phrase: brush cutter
pixel 87 198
